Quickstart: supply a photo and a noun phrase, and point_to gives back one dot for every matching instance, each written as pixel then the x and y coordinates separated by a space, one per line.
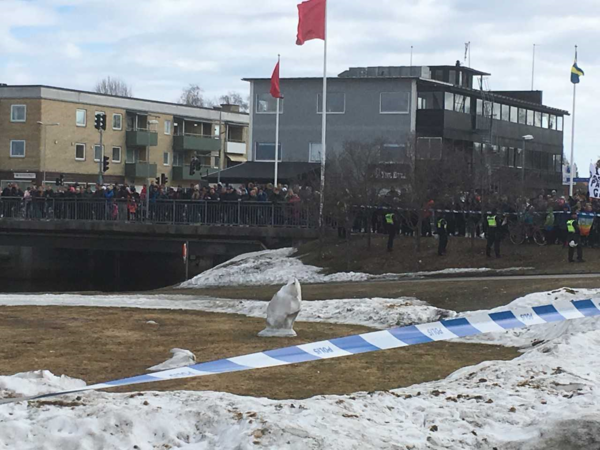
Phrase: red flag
pixel 275 90
pixel 311 23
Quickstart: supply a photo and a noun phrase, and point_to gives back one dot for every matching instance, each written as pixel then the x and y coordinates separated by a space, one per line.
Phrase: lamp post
pixel 150 122
pixel 527 137
pixel 44 127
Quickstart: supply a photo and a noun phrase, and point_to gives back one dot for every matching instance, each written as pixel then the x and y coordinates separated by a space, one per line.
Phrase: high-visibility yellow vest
pixel 492 221
pixel 570 226
pixel 389 219
pixel 442 224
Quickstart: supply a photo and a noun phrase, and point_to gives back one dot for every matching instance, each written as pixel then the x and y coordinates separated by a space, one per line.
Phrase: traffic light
pixel 163 179
pixel 105 164
pixel 60 181
pixel 100 121
pixel 157 179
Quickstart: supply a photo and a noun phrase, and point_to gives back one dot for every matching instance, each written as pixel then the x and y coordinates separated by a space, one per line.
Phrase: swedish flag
pixel 576 72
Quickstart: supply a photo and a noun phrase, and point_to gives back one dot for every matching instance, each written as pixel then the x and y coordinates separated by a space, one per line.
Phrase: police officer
pixel 494 233
pixel 390 224
pixel 442 231
pixel 574 238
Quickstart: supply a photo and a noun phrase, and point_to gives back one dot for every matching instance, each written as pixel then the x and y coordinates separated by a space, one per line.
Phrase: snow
pixel 270 267
pixel 534 335
pixel 37 383
pixel 180 358
pixel 370 312
pixel 548 398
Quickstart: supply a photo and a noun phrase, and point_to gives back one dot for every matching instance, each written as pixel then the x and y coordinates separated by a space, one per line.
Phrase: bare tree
pixel 113 86
pixel 193 95
pixel 235 98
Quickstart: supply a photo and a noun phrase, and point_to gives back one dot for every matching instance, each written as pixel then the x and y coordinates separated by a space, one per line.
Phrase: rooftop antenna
pixel 411 55
pixel 468 53
pixel 533 67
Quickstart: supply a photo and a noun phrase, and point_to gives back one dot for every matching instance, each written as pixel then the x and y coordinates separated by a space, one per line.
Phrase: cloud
pixel 160 46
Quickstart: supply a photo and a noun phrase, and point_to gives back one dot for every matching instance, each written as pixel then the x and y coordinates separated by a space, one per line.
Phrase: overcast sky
pixel 160 46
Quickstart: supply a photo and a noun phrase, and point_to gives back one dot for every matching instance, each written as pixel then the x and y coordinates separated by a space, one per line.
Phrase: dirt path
pixel 458 295
pixel 100 344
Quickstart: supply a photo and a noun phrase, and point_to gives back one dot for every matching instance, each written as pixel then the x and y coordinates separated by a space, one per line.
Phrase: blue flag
pixel 576 72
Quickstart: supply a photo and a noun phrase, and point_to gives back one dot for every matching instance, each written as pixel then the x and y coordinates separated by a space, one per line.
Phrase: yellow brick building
pixel 46 132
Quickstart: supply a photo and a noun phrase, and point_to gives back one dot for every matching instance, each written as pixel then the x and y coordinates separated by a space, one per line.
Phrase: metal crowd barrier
pixel 193 212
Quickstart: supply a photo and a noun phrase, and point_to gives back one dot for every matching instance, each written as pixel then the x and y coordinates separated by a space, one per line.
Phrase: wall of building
pixel 300 124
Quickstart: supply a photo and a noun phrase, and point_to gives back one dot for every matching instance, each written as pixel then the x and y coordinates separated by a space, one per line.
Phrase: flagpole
pixel 573 142
pixel 324 126
pixel 573 134
pixel 277 136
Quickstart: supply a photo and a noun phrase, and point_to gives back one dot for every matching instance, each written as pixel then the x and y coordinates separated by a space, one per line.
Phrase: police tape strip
pixel 477 323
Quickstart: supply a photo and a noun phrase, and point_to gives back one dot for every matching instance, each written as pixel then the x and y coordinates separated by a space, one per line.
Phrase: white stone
pixel 181 358
pixel 283 310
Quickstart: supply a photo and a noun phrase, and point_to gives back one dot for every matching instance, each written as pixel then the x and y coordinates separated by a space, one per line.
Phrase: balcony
pixel 142 138
pixel 183 173
pixel 203 144
pixel 236 148
pixel 140 170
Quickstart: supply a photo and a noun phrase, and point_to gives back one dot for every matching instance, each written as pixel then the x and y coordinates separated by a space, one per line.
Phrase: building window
pixel 393 153
pixel 497 114
pixel 557 162
pixel 81 117
pixel 505 113
pixel 98 152
pixel 130 156
pixel 459 103
pixel 519 158
pixel 552 122
pixel 530 118
pixel 514 114
pixel 266 152
pixel 18 113
pixel 479 107
pixel 448 101
pixel 430 100
pixel 117 123
pixel 80 152
pixel 467 105
pixel 393 102
pixel 559 123
pixel 336 103
pixel 545 120
pixel 452 76
pixel 537 119
pixel 167 127
pixel 314 152
pixel 522 116
pixel 178 159
pixel 17 149
pixel 116 154
pixel 165 158
pixel 266 104
pixel 511 157
pixel 487 109
pixel 429 148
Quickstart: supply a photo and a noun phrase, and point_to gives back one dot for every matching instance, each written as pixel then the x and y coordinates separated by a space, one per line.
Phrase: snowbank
pixel 548 398
pixel 37 383
pixel 375 313
pixel 537 334
pixel 270 267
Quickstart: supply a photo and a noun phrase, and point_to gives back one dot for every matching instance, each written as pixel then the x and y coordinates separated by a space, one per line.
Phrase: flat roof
pixel 128 103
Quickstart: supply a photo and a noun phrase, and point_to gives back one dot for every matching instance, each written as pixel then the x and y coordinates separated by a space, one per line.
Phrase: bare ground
pixel 101 344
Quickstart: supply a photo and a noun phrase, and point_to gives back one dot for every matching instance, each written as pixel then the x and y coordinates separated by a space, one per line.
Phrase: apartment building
pixel 445 109
pixel 46 132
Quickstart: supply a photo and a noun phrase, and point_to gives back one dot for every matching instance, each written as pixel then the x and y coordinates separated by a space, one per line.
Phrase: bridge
pixel 35 231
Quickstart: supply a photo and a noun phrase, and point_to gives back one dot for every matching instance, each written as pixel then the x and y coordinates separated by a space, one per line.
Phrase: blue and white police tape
pixel 474 324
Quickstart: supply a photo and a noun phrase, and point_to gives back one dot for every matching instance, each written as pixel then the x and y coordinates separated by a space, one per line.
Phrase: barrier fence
pixel 471 325
pixel 255 214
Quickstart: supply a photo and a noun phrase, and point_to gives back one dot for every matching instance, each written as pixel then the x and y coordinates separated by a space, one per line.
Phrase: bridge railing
pixel 191 212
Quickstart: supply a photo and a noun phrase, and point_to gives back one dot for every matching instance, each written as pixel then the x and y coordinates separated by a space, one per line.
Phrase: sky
pixel 160 46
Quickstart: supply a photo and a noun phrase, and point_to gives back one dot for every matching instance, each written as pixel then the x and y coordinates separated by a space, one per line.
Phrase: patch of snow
pixel 270 267
pixel 370 312
pixel 151 322
pixel 37 383
pixel 180 358
pixel 548 398
pixel 537 334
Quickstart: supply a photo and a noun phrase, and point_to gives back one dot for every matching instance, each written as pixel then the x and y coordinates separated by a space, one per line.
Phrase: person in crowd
pixel 442 232
pixel 574 238
pixel 494 224
pixel 392 228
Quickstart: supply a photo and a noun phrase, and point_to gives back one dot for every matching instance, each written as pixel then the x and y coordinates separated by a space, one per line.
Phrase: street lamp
pixel 527 137
pixel 45 126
